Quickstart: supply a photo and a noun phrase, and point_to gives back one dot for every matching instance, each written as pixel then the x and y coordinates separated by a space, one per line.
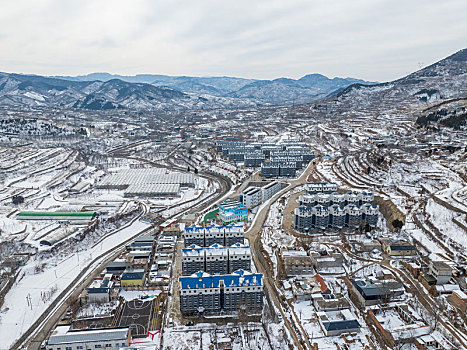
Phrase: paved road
pixel 425 299
pixel 39 331
pixel 253 234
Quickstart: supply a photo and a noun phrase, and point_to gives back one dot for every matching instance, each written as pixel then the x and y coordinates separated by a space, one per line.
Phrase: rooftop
pixel 89 336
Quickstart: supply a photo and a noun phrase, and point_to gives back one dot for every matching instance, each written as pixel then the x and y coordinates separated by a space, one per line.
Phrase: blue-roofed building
pixel 132 277
pixel 337 322
pixel 99 290
pixel 202 292
pixel 109 339
pixel 232 210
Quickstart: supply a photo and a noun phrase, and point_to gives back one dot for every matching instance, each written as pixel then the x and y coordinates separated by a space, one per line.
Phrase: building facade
pixel 252 197
pixel 209 235
pixel 232 210
pixel 111 339
pixel 215 259
pixel 204 293
pixel 321 208
pixel 270 190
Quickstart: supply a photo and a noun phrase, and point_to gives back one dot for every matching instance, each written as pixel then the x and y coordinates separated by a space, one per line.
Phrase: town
pixel 246 230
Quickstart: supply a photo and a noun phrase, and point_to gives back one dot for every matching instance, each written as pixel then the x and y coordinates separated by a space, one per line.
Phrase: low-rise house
pixel 459 299
pixel 188 219
pixel 329 263
pixel 441 271
pixel 433 341
pixel 308 286
pixel 109 339
pixel 372 292
pixel 116 267
pixel 398 247
pixel 99 290
pixel 132 278
pixel 15 261
pixel 330 302
pixel 337 322
pixel 297 262
pixel 166 243
pixel 397 324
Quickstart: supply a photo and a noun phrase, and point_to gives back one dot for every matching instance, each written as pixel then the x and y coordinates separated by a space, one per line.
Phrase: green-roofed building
pixel 57 215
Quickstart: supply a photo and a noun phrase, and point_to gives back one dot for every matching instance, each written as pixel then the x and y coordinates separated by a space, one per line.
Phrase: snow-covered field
pixel 16 315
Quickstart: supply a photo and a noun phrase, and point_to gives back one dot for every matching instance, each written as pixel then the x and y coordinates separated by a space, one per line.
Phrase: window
pixel 98 346
pixel 79 347
pixel 68 348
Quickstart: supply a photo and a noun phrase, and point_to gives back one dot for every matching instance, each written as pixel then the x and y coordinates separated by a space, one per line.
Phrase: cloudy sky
pixel 369 39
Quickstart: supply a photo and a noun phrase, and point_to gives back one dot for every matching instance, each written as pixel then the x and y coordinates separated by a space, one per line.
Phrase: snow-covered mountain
pixel 278 91
pixel 445 79
pixel 31 90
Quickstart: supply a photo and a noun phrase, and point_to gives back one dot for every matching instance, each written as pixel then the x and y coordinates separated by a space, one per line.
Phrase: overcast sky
pixel 369 39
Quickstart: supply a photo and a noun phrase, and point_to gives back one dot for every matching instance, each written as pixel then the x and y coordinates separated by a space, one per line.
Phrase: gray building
pixel 270 169
pixel 216 259
pixel 209 235
pixel 320 217
pixel 254 160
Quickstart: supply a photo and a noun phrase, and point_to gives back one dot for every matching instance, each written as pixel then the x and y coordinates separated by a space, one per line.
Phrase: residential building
pixel 337 322
pixel 116 268
pixel 372 292
pixel 270 169
pixel 251 197
pixel 215 259
pixel 209 235
pixel 397 324
pixel 270 190
pixel 325 187
pixel 397 247
pixel 297 262
pixel 441 271
pixel 254 160
pixel 322 217
pixel 459 299
pixel 202 292
pixel 330 302
pixel 99 290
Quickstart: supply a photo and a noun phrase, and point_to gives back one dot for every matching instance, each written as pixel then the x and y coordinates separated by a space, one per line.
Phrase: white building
pixel 99 290
pixel 252 197
pixel 109 339
pixel 270 190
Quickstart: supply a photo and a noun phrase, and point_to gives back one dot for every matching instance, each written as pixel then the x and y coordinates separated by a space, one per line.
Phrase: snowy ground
pixel 16 316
